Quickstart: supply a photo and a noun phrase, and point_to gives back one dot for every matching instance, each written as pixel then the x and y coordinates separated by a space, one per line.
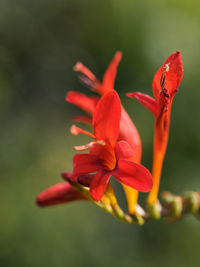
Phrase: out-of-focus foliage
pixel 40 41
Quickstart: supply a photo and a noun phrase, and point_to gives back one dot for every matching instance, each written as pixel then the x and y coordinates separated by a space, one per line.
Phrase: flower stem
pixel 156 173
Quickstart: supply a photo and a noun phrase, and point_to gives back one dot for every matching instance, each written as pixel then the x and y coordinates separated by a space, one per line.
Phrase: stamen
pixel 163 75
pixel 76 130
pixel 89 145
pixel 81 148
pixel 162 79
pixel 166 67
pixel 83 69
pixel 87 82
pixel 100 142
pixel 164 96
pixel 164 99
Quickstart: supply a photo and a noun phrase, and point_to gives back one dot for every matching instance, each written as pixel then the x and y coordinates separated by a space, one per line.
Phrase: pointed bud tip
pixel 177 55
pixel 118 55
pixel 40 200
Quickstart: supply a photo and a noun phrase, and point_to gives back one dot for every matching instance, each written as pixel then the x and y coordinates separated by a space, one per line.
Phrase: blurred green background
pixel 40 41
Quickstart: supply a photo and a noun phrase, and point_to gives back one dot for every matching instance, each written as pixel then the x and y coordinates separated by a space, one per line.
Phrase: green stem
pixel 172 206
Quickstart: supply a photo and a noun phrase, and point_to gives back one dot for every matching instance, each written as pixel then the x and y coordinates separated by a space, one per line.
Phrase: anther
pixel 89 145
pixel 162 79
pixel 166 67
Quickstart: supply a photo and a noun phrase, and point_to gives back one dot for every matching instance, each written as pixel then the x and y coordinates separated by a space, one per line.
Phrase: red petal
pixel 57 194
pixel 82 119
pixel 173 75
pixel 106 118
pixel 87 103
pixel 134 175
pixel 146 100
pixel 124 151
pixel 110 74
pixel 85 163
pixel 98 185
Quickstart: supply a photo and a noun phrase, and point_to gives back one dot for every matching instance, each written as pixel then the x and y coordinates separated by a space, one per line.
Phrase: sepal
pixel 147 101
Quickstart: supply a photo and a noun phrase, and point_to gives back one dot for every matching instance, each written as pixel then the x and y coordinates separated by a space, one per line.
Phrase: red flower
pixel 165 85
pixel 128 131
pixel 106 157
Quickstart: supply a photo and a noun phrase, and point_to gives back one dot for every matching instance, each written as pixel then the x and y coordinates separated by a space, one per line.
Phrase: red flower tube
pixel 165 85
pixel 106 156
pixel 58 194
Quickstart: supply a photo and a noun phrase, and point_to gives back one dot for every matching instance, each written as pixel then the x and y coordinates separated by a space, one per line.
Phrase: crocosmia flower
pixel 128 131
pixel 165 85
pixel 106 156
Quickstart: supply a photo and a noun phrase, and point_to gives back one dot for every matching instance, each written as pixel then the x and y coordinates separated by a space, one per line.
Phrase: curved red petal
pixel 124 151
pixel 134 175
pixel 147 101
pixel 87 103
pixel 110 74
pixel 98 185
pixel 58 194
pixel 85 163
pixel 106 118
pixel 174 73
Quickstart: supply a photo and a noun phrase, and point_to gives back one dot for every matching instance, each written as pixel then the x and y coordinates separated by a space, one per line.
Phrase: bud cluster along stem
pixel 172 207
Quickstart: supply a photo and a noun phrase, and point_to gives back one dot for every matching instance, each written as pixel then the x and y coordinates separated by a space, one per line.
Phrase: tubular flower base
pixel 58 194
pixel 115 150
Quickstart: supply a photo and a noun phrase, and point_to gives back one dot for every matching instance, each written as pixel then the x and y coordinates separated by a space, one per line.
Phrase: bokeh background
pixel 40 41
